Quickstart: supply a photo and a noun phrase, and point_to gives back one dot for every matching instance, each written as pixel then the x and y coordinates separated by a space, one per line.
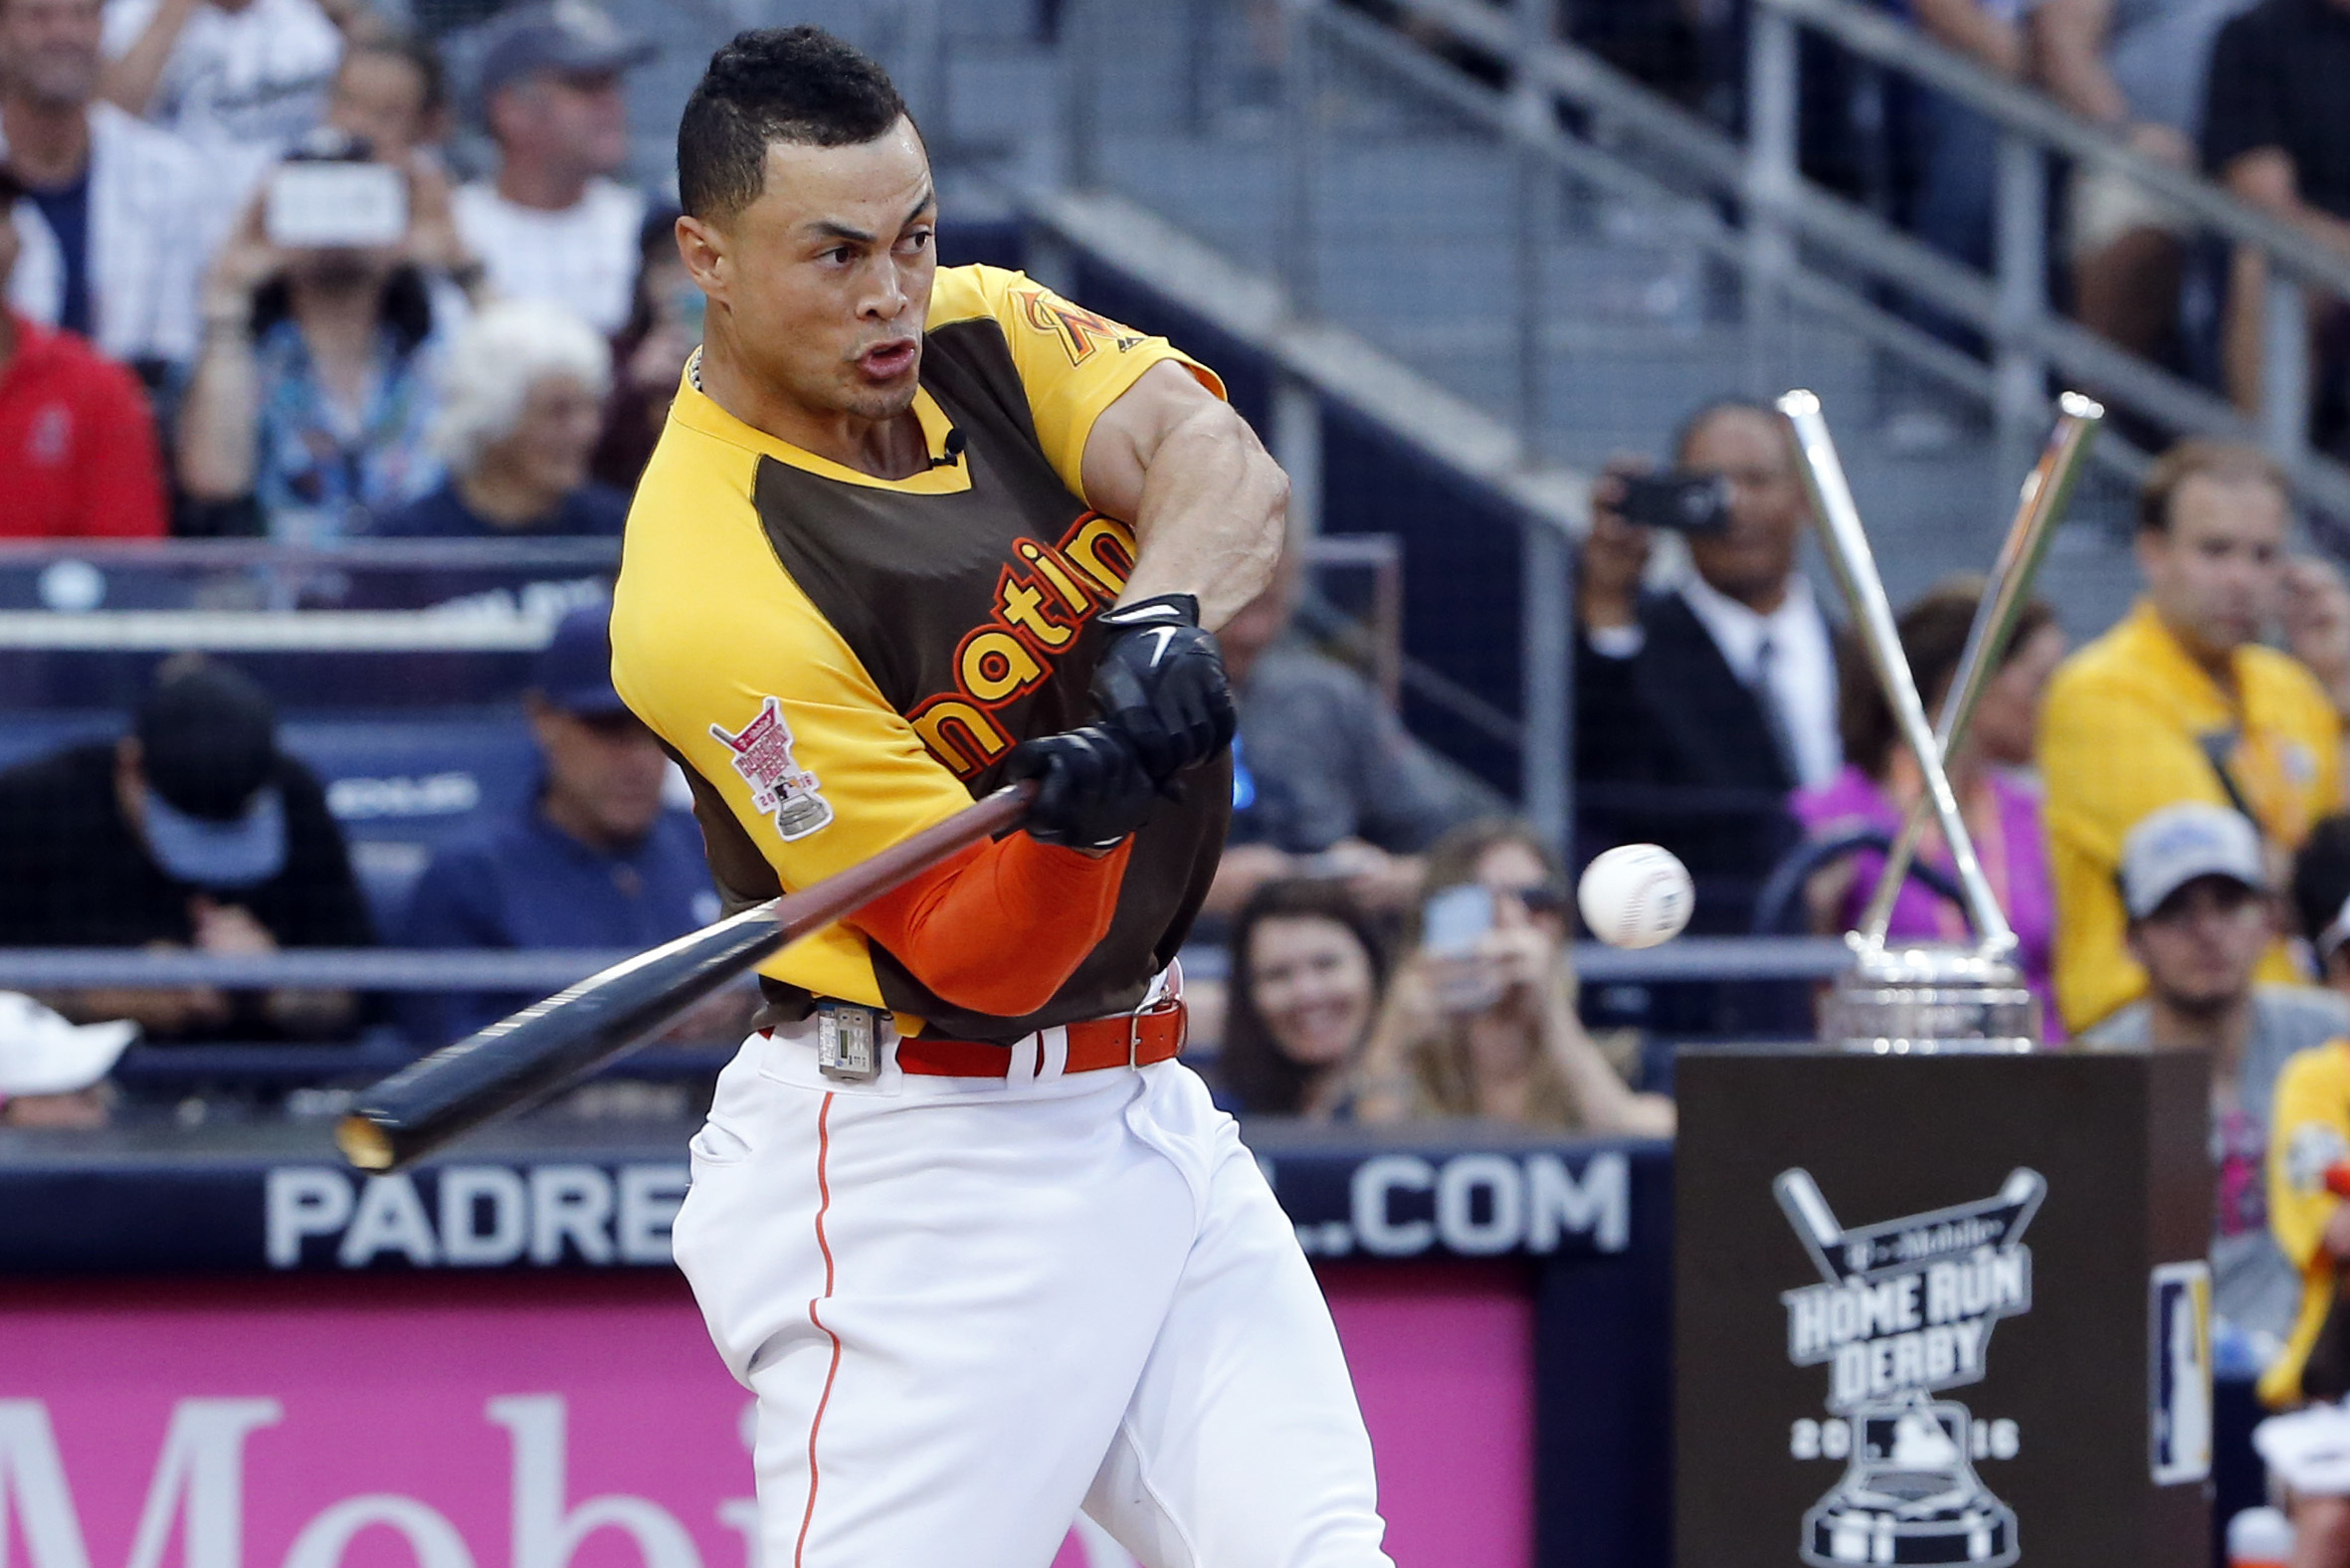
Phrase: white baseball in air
pixel 1636 895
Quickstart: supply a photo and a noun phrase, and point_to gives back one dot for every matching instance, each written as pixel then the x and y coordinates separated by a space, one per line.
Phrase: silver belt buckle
pixel 850 1040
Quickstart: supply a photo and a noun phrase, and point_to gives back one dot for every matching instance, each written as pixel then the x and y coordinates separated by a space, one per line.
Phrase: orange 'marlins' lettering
pixel 1036 616
pixel 958 735
pixel 1104 550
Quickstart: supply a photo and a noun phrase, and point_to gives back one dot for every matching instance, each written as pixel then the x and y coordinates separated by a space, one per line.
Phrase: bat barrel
pixel 522 1061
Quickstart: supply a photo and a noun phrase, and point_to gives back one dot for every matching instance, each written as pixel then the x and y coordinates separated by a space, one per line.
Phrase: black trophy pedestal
pixel 1941 1310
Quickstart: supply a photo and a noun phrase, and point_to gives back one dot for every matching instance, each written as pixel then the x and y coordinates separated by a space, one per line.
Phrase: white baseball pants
pixel 969 1306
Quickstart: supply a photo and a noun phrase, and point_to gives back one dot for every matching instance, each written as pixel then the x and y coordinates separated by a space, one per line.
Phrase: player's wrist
pixel 1164 609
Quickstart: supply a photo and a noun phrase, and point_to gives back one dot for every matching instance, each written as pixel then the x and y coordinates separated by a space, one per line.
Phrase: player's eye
pixel 915 243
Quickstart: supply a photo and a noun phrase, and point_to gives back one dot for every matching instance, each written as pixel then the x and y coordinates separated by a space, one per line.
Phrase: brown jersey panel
pixel 972 611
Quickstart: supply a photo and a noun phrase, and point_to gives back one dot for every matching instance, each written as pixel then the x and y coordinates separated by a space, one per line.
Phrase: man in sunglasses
pixel 597 858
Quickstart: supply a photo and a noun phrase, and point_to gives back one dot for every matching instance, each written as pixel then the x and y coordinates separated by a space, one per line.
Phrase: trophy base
pixel 1929 999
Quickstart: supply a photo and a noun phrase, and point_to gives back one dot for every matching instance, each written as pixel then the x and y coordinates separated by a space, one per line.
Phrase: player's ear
pixel 701 246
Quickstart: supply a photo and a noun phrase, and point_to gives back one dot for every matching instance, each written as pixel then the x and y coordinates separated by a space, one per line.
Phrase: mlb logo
pixel 2179 1376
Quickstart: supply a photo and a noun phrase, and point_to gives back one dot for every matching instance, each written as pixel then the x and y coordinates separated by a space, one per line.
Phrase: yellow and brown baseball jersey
pixel 840 660
pixel 2131 724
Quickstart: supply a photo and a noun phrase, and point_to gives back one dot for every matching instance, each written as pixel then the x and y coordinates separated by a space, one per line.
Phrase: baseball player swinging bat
pixel 521 1061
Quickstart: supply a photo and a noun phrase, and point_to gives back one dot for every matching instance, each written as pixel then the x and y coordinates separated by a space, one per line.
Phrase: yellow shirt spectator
pixel 2133 724
pixel 2310 1132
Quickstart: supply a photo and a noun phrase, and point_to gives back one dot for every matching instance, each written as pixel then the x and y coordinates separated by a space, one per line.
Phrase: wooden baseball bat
pixel 520 1062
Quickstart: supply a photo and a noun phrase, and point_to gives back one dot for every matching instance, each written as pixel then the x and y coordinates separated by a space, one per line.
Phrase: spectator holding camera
pixel 1480 1020
pixel 313 400
pixel 78 455
pixel 552 224
pixel 114 212
pixel 391 93
pixel 521 399
pixel 1700 707
pixel 1880 782
pixel 2181 701
pixel 1307 973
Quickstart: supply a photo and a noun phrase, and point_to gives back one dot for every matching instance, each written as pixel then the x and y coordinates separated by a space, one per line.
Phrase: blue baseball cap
pixel 574 671
pixel 212 814
pixel 239 852
pixel 570 38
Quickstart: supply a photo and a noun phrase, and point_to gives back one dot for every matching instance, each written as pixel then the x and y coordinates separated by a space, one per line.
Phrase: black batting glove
pixel 1161 682
pixel 1091 787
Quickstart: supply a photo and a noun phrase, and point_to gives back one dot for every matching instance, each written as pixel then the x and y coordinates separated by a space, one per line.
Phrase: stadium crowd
pixel 248 296
pixel 2246 93
pixel 193 346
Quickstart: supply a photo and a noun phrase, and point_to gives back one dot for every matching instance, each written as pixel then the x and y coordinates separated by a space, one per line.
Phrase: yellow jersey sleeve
pixel 1073 362
pixel 2309 1130
pixel 728 661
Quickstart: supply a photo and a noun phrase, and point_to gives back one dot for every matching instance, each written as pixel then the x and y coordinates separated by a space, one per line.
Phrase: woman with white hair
pixel 521 404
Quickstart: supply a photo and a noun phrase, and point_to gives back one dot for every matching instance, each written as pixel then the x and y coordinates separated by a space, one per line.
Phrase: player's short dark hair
pixel 774 84
pixel 2321 875
pixel 2222 462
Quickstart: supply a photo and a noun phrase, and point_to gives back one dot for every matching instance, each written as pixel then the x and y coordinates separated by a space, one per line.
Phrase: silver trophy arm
pixel 1849 557
pixel 2047 490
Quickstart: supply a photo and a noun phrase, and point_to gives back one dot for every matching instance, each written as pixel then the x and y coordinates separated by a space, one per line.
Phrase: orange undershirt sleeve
pixel 1002 926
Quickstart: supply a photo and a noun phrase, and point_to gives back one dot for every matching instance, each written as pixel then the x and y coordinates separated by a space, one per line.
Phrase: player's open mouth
pixel 887 361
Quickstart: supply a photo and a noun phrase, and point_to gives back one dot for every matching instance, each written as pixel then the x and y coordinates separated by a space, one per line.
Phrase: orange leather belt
pixel 1129 1039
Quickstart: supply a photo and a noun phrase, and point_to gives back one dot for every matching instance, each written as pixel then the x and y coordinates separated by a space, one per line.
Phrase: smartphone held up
pixel 1453 924
pixel 336 206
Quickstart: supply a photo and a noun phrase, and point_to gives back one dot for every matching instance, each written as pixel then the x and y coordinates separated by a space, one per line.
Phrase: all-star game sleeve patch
pixel 780 787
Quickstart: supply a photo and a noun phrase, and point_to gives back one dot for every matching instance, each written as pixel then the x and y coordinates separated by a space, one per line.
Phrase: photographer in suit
pixel 1698 710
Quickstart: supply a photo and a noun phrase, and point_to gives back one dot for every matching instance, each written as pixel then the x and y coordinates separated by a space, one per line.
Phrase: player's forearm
pixel 1000 929
pixel 1214 503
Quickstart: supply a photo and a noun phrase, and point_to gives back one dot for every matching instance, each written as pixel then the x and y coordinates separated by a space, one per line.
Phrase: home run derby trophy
pixel 1855 1218
pixel 1923 996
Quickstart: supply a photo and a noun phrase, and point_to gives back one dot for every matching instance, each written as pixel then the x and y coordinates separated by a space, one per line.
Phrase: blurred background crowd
pixel 315 274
